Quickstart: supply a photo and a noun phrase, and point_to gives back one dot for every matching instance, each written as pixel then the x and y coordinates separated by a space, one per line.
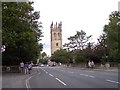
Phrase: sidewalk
pixel 111 69
pixel 16 80
pixel 102 69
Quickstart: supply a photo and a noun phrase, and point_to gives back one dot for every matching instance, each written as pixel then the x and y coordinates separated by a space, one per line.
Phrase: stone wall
pixel 10 69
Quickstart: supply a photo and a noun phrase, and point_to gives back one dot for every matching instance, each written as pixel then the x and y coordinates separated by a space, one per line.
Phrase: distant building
pixel 56 36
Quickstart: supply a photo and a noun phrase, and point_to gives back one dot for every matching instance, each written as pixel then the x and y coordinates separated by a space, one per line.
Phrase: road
pixel 58 77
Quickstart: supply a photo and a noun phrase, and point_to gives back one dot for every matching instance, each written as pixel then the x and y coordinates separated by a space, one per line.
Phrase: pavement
pixel 18 80
pixel 111 69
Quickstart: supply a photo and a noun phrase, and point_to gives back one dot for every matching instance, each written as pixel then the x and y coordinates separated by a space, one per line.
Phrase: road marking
pixel 51 75
pixel 113 81
pixel 87 75
pixel 43 70
pixel 27 82
pixel 91 76
pixel 46 72
pixel 61 81
pixel 83 75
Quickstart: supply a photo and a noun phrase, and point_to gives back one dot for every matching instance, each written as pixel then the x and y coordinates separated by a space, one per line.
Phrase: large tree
pixel 62 56
pixel 77 44
pixel 113 30
pixel 78 41
pixel 21 32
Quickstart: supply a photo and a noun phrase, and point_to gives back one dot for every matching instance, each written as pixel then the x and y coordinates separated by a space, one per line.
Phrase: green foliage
pixel 78 41
pixel 112 30
pixel 44 55
pixel 107 48
pixel 61 56
pixel 79 57
pixel 43 58
pixel 21 32
pixel 76 45
pixel 44 61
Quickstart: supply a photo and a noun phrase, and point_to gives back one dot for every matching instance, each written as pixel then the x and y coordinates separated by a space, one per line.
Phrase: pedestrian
pixel 29 67
pixel 89 64
pixel 92 64
pixel 26 68
pixel 21 67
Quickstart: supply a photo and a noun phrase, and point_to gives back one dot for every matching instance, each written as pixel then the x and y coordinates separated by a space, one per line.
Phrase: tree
pixel 44 55
pixel 78 41
pixel 98 52
pixel 77 44
pixel 112 30
pixel 61 56
pixel 21 32
pixel 81 39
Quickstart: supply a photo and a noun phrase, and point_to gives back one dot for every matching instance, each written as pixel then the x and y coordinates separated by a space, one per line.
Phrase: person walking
pixel 92 65
pixel 89 64
pixel 29 67
pixel 26 68
pixel 21 67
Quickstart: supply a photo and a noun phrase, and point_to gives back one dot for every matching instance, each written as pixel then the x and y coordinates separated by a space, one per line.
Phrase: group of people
pixel 26 67
pixel 91 64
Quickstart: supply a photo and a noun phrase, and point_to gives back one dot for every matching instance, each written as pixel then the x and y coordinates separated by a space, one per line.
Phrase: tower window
pixel 56 44
pixel 59 36
pixel 55 36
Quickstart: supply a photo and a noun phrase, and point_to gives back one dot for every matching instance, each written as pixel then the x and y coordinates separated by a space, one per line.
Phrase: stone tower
pixel 56 36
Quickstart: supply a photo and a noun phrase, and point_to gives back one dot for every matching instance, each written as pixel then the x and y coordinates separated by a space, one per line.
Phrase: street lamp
pixel 20 56
pixel 106 56
pixel 3 48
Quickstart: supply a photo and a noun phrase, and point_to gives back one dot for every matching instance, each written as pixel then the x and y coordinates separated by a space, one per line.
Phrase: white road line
pixel 46 72
pixel 51 75
pixel 27 82
pixel 61 81
pixel 113 81
pixel 87 75
pixel 83 75
pixel 91 76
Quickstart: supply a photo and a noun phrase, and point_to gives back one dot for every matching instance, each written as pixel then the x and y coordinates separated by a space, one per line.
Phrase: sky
pixel 76 15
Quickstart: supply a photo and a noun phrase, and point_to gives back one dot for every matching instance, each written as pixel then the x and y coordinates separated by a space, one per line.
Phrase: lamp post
pixel 3 48
pixel 20 56
pixel 106 56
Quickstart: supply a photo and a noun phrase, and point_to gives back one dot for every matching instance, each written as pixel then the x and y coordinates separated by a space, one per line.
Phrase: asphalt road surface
pixel 58 77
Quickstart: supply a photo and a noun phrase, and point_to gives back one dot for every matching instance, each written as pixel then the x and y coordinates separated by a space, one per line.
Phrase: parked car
pixel 34 65
pixel 42 65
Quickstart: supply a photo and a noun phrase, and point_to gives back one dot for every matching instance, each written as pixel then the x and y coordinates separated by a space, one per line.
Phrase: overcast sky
pixel 76 15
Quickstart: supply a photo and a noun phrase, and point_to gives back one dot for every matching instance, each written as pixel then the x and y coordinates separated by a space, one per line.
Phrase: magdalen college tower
pixel 56 36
